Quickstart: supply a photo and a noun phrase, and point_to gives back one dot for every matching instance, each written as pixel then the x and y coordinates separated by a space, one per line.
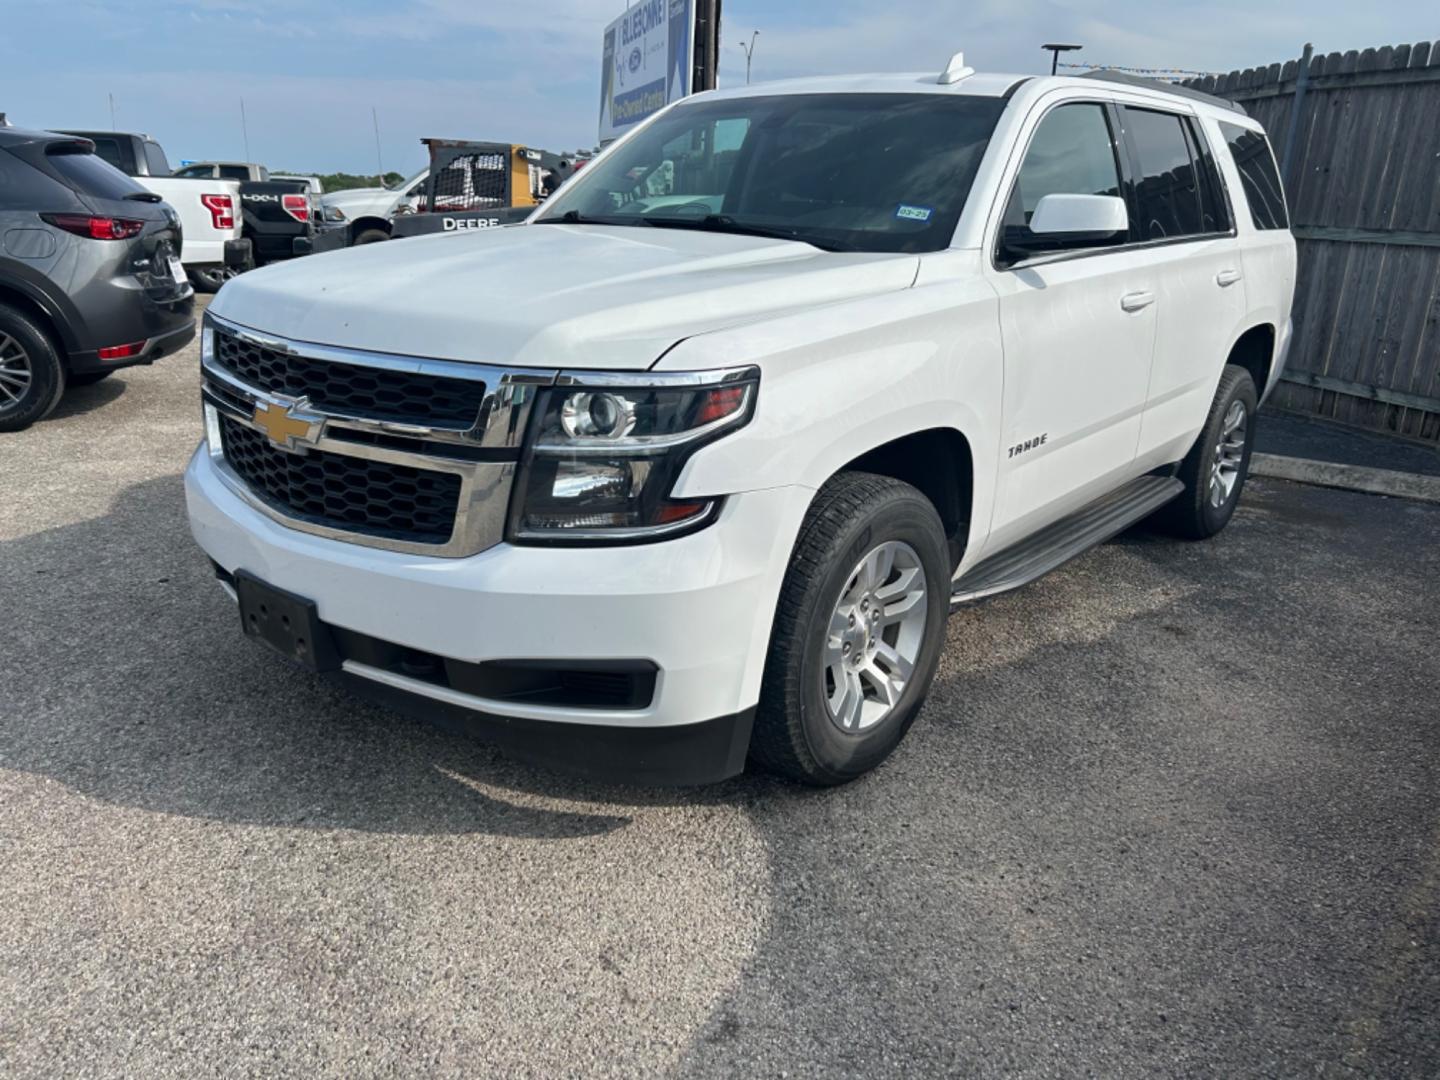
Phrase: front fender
pixel 838 381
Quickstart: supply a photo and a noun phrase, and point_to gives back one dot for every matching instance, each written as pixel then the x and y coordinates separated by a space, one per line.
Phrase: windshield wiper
pixel 141 196
pixel 727 224
pixel 572 217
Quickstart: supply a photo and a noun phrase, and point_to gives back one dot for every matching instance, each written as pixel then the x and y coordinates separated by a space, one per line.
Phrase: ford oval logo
pixel 637 58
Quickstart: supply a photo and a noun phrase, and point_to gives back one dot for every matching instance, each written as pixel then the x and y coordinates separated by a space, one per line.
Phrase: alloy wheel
pixel 874 637
pixel 15 372
pixel 1229 454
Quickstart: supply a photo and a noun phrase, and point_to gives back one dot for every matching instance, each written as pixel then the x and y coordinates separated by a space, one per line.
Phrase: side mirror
pixel 1066 223
pixel 1094 216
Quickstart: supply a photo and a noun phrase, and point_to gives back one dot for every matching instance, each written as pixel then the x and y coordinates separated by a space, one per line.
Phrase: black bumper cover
pixel 679 756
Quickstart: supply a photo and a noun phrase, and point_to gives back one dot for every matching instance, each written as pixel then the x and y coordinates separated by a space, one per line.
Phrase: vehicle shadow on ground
pixel 79 400
pixel 127 680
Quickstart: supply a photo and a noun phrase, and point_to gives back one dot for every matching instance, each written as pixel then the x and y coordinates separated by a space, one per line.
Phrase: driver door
pixel 1078 329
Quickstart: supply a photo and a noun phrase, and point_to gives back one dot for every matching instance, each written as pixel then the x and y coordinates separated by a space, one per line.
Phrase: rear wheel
pixel 1214 471
pixel 31 376
pixel 858 631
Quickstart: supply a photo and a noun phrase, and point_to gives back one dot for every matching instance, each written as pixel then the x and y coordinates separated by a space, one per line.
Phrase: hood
pixel 355 196
pixel 549 295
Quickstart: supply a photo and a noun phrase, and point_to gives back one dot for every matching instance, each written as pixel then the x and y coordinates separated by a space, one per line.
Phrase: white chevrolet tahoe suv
pixel 690 466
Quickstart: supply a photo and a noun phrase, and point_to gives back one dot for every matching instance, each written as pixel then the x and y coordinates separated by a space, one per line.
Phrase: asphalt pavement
pixel 1172 811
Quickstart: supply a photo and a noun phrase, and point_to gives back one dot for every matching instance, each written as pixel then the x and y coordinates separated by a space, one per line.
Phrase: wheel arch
pixel 1254 350
pixel 940 463
pixel 49 316
pixel 359 225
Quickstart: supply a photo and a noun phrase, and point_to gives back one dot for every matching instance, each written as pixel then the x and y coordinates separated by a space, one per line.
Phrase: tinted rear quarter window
pixel 89 175
pixel 109 150
pixel 1258 176
pixel 1167 181
pixel 155 159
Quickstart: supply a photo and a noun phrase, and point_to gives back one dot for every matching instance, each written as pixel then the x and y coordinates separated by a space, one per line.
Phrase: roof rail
pixel 1107 75
pixel 955 70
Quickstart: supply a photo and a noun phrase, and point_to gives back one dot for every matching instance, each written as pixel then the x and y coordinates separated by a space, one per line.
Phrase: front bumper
pixel 699 608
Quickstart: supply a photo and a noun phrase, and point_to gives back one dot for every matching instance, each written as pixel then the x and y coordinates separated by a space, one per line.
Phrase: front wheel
pixel 1214 471
pixel 858 631
pixel 370 236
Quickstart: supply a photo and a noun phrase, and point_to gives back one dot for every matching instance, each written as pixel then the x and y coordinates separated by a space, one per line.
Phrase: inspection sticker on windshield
pixel 913 213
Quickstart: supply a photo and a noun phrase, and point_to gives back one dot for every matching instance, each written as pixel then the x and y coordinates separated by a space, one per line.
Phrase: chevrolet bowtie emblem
pixel 287 426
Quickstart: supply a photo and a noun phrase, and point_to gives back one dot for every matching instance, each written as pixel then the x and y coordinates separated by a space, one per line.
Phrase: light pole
pixel 1055 51
pixel 749 54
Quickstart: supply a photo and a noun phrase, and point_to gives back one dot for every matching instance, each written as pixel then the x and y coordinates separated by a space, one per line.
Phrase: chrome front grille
pixel 385 451
pixel 343 492
pixel 354 389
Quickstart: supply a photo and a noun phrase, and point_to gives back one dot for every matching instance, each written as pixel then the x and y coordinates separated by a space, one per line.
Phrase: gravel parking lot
pixel 1174 810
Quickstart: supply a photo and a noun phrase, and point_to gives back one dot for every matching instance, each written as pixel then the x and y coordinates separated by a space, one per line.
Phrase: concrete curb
pixel 1400 485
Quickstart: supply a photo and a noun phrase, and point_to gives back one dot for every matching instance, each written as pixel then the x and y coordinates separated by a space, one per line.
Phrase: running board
pixel 1057 544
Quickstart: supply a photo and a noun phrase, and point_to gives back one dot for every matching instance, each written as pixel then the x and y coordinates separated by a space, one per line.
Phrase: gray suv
pixel 90 278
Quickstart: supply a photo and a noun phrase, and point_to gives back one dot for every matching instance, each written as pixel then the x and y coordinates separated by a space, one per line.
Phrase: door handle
pixel 1227 277
pixel 1136 301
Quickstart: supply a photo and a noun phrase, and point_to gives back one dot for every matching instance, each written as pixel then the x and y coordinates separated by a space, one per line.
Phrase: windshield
pixel 848 172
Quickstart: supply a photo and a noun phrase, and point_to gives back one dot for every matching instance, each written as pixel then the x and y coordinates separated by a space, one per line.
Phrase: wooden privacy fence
pixel 1358 137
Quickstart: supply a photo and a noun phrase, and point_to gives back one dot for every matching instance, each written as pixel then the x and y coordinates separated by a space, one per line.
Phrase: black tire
pixel 370 236
pixel 209 279
pixel 88 378
pixel 1194 513
pixel 850 516
pixel 25 346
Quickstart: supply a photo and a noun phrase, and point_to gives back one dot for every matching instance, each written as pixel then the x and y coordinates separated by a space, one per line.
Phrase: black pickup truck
pixel 278 220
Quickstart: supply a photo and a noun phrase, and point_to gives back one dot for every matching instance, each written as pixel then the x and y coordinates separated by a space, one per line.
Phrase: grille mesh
pixel 373 498
pixel 354 389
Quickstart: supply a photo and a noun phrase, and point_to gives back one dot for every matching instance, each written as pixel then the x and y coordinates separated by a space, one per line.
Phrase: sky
pixel 310 71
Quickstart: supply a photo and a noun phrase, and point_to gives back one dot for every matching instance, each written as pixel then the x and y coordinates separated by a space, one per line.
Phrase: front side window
pixel 852 172
pixel 1071 153
pixel 1258 176
pixel 1167 185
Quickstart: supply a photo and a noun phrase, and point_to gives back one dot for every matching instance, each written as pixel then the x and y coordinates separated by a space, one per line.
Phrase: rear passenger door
pixel 1183 220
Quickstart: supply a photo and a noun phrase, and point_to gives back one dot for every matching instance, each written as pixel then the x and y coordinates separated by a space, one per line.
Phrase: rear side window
pixel 155 159
pixel 108 150
pixel 1258 176
pixel 1168 191
pixel 1071 153
pixel 90 175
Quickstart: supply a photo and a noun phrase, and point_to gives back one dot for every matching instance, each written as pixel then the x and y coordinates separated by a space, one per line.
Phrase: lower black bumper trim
pixel 677 756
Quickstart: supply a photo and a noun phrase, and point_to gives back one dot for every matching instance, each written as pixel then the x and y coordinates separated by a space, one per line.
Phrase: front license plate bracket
pixel 288 623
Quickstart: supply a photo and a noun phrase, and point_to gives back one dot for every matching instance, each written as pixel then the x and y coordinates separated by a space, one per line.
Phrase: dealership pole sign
pixel 648 63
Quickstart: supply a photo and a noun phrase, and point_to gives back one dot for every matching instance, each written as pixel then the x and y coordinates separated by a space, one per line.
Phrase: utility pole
pixel 244 129
pixel 380 165
pixel 1055 51
pixel 112 111
pixel 749 54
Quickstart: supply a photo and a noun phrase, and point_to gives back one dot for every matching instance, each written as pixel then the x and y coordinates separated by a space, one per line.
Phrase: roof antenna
pixel 955 70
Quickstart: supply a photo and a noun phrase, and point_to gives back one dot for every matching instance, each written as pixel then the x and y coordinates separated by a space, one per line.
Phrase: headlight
pixel 602 458
pixel 334 213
